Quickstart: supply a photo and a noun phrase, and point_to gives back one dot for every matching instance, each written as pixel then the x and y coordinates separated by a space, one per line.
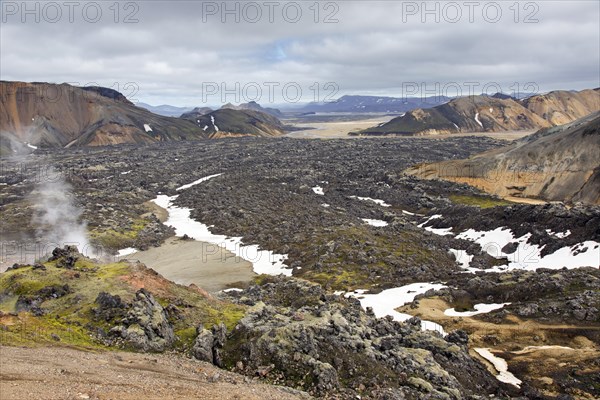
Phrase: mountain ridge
pixel 493 114
pixel 554 164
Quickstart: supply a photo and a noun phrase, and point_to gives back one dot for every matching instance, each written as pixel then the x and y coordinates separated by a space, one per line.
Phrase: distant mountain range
pixel 368 104
pixel 555 164
pixel 165 109
pixel 493 114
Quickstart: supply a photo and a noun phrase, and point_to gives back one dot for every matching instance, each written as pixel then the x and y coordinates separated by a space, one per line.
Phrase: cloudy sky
pixel 192 53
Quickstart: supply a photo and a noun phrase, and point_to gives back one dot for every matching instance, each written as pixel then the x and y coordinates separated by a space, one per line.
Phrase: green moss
pixel 229 314
pixel 71 317
pixel 185 338
pixel 25 281
pixel 27 330
pixel 479 201
pixel 344 269
pixel 118 239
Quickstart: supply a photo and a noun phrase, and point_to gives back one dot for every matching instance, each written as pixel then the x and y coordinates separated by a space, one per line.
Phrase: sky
pixel 205 53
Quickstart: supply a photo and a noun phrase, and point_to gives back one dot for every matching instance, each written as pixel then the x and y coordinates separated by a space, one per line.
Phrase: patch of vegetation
pixel 118 239
pixel 69 317
pixel 478 201
pixel 362 260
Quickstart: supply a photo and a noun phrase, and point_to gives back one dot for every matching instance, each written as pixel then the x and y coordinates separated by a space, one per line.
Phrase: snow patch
pixel 375 222
pixel 126 251
pixel 464 259
pixel 212 119
pixel 318 190
pixel 477 120
pixel 386 302
pixel 479 309
pixel 147 128
pixel 501 367
pixel 527 256
pixel 376 201
pixel 560 235
pixel 232 290
pixel 189 185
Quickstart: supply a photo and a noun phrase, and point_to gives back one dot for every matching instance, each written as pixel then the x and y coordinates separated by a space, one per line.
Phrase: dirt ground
pixel 335 130
pixel 340 130
pixel 61 373
pixel 203 264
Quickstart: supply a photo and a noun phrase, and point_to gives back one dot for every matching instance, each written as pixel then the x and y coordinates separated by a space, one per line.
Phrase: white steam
pixel 56 217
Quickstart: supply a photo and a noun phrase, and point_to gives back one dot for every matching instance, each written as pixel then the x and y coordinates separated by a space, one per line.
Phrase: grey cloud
pixel 171 52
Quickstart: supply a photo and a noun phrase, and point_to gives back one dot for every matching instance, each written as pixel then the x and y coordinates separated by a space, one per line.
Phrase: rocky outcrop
pixel 557 164
pixel 296 334
pixel 208 344
pixel 145 326
pixel 493 114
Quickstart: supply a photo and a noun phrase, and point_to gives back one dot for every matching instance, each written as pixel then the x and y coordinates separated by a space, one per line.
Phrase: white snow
pixel 125 172
pixel 147 128
pixel 232 290
pixel 456 126
pixel 529 349
pixel 528 256
pixel 318 190
pixel 263 261
pixel 31 146
pixel 464 259
pixel 491 110
pixel 325 205
pixel 375 222
pixel 501 366
pixel 560 235
pixel 386 302
pixel 127 251
pixel 407 212
pixel 477 120
pixel 437 231
pixel 212 119
pixel 376 201
pixel 436 216
pixel 205 128
pixel 479 309
pixel 189 185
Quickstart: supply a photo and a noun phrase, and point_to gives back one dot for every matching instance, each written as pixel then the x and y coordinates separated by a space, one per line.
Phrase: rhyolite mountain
pixel 231 123
pixel 368 104
pixel 195 113
pixel 493 114
pixel 61 115
pixel 253 106
pixel 554 164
